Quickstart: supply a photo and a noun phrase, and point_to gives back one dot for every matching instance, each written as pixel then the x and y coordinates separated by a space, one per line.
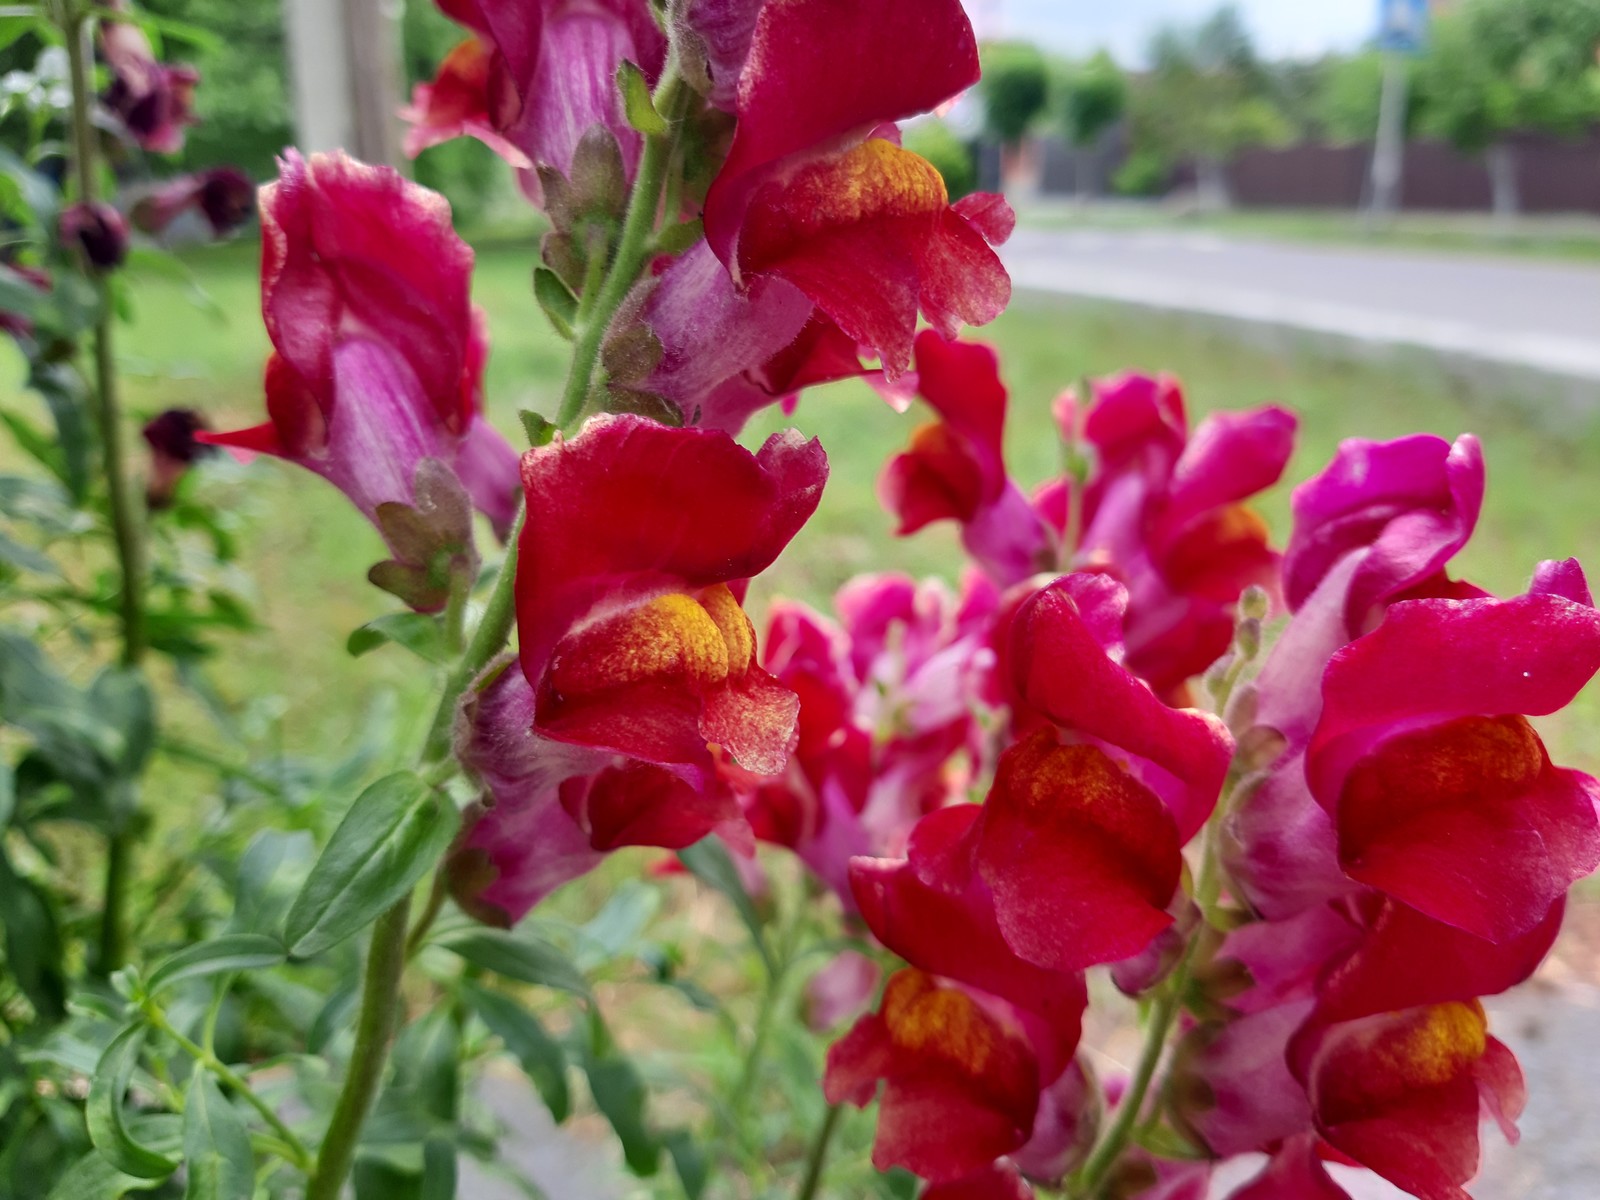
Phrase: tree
pixel 1014 90
pixel 1094 97
pixel 1206 97
pixel 1348 100
pixel 1499 66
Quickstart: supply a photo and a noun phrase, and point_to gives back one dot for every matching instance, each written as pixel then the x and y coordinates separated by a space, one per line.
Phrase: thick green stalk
pixel 375 1028
pixel 126 525
pixel 386 960
pixel 633 250
pixel 819 1154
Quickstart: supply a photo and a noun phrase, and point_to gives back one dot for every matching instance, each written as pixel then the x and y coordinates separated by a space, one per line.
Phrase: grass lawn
pixel 1574 237
pixel 308 551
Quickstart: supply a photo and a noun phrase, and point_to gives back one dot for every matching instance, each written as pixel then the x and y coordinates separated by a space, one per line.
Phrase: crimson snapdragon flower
pixel 534 77
pixel 636 658
pixel 378 352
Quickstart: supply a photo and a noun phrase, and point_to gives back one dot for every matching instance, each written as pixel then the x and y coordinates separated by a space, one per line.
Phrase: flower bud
pixel 1247 637
pixel 98 230
pixel 173 449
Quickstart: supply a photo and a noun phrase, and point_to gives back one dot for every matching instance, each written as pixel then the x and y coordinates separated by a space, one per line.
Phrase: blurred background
pixel 1384 214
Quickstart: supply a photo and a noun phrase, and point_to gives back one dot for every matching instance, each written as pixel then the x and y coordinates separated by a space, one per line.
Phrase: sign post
pixel 1402 33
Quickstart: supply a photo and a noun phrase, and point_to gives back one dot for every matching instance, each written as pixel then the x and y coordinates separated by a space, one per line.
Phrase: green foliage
pixel 1350 97
pixel 1093 98
pixel 1207 95
pixel 1496 66
pixel 243 100
pixel 1015 89
pixel 1146 172
pixel 952 157
pixel 465 171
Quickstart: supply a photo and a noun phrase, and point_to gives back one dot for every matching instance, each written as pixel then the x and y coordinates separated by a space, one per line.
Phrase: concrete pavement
pixel 1539 315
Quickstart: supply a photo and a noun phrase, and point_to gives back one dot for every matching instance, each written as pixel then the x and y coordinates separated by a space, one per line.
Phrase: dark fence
pixel 1554 175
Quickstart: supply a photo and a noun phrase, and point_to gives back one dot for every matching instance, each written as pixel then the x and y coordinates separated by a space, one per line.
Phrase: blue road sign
pixel 1402 25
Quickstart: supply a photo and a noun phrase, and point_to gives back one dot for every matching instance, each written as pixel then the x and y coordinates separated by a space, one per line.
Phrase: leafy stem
pixel 126 525
pixel 818 1158
pixel 633 250
pixel 206 1059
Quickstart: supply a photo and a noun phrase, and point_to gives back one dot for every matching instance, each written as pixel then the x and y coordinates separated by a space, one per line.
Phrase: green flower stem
pixel 126 525
pixel 633 250
pixel 819 1154
pixel 430 913
pixel 391 943
pixel 206 1059
pixel 375 1028
pixel 1169 1002
pixel 488 639
pixel 125 516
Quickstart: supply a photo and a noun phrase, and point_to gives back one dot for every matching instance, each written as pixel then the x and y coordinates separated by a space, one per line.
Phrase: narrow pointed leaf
pixel 520 957
pixel 395 831
pixel 235 952
pixel 103 1113
pixel 710 863
pixel 216 1145
pixel 637 103
pixel 541 1056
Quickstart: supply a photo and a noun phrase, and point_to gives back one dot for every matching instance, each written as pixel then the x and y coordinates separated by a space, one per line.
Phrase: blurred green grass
pixel 308 551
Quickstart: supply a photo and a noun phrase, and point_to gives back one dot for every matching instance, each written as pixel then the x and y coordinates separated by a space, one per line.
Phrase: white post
pixel 345 75
pixel 319 74
pixel 1388 154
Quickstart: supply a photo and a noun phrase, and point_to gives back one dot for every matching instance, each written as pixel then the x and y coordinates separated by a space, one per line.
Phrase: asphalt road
pixel 1540 315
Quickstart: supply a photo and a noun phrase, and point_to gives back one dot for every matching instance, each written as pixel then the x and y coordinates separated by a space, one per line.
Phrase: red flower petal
pixel 962 1088
pixel 1083 859
pixel 1400 1092
pixel 1064 673
pixel 1295 1173
pixel 632 526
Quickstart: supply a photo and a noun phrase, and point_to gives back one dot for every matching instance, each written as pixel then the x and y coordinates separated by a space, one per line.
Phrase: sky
pixel 1298 28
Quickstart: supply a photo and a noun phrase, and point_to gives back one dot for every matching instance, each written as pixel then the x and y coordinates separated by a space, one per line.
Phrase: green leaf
pixel 417 632
pixel 690 1161
pixel 709 861
pixel 636 101
pixel 35 189
pixel 558 303
pixel 521 957
pixel 103 1113
pixel 33 942
pixel 93 1178
pixel 438 1169
pixel 427 1060
pixel 26 558
pixel 234 952
pixel 540 431
pixel 541 1056
pixel 216 1145
pixel 121 698
pixel 620 1095
pixel 397 829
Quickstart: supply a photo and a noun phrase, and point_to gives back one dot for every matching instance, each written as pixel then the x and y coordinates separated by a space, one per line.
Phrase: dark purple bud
pixel 98 230
pixel 173 448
